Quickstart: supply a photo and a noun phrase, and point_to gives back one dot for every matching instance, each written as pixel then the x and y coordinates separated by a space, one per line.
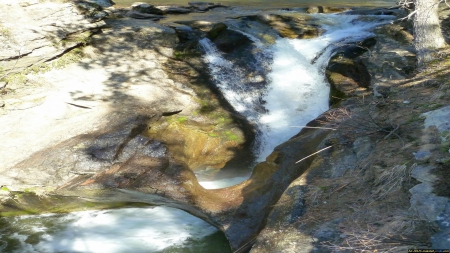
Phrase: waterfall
pixel 231 81
pixel 297 91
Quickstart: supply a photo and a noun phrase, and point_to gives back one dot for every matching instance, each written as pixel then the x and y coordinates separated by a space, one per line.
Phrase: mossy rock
pixel 296 26
pixel 216 30
pixel 196 144
pixel 228 41
pixel 347 77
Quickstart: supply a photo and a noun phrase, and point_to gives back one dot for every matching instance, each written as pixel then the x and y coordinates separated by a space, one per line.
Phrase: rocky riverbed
pixel 103 106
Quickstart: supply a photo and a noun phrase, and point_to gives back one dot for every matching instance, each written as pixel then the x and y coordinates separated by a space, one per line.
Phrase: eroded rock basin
pixel 141 122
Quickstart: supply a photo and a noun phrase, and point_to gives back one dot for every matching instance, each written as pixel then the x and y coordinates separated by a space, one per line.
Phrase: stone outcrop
pixel 294 27
pixel 228 41
pixel 138 132
pixel 146 8
pixel 348 76
pixel 46 31
pixel 294 225
pixel 427 200
pixel 141 10
pixel 165 179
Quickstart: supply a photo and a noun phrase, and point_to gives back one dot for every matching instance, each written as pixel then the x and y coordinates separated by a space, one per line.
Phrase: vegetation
pixel 5 32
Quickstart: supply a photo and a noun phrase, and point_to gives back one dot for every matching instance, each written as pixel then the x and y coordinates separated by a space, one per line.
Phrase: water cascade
pixel 297 90
pixel 295 93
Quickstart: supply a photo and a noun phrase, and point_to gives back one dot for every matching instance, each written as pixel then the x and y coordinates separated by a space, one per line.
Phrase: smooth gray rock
pixel 441 240
pixel 423 173
pixel 422 155
pixel 362 147
pixel 425 203
pixel 439 118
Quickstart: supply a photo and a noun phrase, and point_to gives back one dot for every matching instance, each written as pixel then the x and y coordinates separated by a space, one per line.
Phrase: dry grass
pixel 391 180
pixel 5 32
pixel 371 204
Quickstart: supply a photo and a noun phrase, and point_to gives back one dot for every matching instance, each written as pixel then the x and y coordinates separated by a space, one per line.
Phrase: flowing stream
pixel 296 92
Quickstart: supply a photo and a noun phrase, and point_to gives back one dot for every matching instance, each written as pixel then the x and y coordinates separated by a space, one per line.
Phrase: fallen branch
pixel 327 128
pixel 314 154
pixel 80 106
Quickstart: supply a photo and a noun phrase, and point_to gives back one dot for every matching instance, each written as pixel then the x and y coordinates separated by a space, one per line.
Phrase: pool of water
pixel 138 230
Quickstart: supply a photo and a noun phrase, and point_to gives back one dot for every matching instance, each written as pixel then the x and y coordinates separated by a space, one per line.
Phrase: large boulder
pixel 347 75
pixel 299 26
pixel 216 30
pixel 146 8
pixel 142 10
pixel 229 40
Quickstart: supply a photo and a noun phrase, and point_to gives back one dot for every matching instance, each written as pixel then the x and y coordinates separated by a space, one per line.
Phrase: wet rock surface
pixel 291 26
pixel 306 233
pixel 132 138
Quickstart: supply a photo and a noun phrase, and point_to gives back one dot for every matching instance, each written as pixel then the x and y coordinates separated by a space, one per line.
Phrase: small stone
pixel 406 102
pixel 2 85
pixel 443 160
pixel 422 155
pixel 381 91
pixel 2 104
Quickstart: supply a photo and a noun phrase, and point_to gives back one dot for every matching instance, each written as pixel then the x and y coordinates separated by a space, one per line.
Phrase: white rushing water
pixel 138 230
pixel 113 231
pixel 297 90
pixel 297 93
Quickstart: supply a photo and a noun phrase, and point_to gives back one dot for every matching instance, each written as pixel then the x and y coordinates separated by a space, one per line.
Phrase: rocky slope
pixel 131 115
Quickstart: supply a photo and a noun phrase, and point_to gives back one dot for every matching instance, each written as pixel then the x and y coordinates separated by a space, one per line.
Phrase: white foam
pixel 222 183
pixel 299 92
pixel 117 231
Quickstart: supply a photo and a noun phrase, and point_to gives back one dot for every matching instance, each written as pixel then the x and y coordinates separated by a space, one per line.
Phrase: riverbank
pixel 137 116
